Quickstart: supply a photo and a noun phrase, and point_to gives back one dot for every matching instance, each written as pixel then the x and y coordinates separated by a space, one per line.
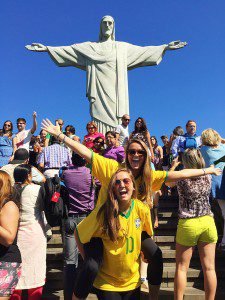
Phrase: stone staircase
pixel 165 238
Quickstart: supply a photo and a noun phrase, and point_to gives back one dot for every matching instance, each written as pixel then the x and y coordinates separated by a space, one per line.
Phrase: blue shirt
pixel 210 155
pixel 178 144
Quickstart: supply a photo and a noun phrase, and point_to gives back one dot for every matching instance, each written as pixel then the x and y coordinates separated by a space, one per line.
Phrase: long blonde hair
pixel 145 171
pixel 110 209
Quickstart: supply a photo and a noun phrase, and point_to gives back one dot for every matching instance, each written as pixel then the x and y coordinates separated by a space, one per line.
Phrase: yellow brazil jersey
pixel 120 267
pixel 103 169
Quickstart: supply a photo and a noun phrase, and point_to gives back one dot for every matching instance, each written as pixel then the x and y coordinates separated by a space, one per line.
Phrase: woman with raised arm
pixel 137 160
pixel 196 227
pixel 10 258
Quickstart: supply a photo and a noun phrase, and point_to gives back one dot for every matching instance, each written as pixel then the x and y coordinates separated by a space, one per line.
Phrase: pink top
pixel 89 138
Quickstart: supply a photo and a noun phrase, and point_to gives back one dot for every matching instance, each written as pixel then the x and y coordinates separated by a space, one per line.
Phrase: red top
pixel 89 138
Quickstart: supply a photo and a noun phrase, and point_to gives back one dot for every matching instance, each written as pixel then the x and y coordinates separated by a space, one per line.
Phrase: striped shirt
pixel 55 156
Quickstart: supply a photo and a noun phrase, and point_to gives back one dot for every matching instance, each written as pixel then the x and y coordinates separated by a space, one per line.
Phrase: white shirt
pixel 124 134
pixel 31 204
pixel 23 139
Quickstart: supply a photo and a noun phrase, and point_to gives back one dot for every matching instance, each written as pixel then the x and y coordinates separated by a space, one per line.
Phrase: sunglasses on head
pixel 138 152
pixel 126 181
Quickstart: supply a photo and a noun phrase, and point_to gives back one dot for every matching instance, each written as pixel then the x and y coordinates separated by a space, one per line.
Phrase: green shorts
pixel 194 230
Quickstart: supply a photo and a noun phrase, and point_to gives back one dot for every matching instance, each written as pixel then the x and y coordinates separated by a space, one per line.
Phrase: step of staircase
pixel 166 293
pixel 165 238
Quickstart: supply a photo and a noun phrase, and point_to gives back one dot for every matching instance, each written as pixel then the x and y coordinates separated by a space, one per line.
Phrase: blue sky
pixel 188 84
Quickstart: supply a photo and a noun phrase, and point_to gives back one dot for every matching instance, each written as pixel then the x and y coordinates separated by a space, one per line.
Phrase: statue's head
pixel 107 28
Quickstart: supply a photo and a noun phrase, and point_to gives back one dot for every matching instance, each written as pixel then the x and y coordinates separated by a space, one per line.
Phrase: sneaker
pixel 144 283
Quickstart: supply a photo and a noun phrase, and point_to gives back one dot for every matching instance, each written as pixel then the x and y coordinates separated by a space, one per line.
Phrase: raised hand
pixel 175 163
pixel 50 128
pixel 34 115
pixel 176 45
pixel 36 47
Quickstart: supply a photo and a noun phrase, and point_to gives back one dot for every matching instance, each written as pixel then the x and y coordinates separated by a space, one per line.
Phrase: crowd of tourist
pixel 114 181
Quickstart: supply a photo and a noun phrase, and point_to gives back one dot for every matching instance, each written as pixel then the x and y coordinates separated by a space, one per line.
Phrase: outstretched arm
pixel 74 145
pixel 189 173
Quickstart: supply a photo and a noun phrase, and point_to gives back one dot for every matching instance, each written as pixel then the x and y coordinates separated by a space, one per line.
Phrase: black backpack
pixel 55 201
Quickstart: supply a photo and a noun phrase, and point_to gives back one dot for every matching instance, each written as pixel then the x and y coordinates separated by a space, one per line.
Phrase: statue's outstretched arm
pixel 36 47
pixel 175 45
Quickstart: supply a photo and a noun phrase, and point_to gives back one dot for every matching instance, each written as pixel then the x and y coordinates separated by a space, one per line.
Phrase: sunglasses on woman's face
pixel 126 182
pixel 91 127
pixel 7 125
pixel 138 152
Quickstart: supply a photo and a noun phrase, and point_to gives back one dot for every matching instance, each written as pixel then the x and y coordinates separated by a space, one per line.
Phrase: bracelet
pixel 59 135
pixel 203 171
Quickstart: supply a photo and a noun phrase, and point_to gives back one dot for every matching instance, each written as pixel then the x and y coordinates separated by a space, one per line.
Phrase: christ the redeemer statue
pixel 106 63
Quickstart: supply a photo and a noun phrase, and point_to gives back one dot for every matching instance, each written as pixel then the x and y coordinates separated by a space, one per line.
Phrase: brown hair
pixel 142 129
pixel 21 120
pixel 190 121
pixel 110 209
pixel 6 189
pixel 10 131
pixel 145 172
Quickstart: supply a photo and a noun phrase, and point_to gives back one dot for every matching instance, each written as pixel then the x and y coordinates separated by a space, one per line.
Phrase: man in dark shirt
pixel 78 181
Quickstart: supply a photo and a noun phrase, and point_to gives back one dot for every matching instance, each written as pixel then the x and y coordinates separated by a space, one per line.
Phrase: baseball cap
pixel 20 156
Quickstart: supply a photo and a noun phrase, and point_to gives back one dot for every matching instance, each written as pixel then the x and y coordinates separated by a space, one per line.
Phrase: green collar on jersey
pixel 129 211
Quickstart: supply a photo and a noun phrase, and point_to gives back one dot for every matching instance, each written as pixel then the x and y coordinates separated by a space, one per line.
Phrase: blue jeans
pixel 70 252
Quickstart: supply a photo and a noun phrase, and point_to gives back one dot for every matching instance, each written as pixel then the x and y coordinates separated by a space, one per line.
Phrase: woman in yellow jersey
pixel 137 160
pixel 196 227
pixel 119 222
